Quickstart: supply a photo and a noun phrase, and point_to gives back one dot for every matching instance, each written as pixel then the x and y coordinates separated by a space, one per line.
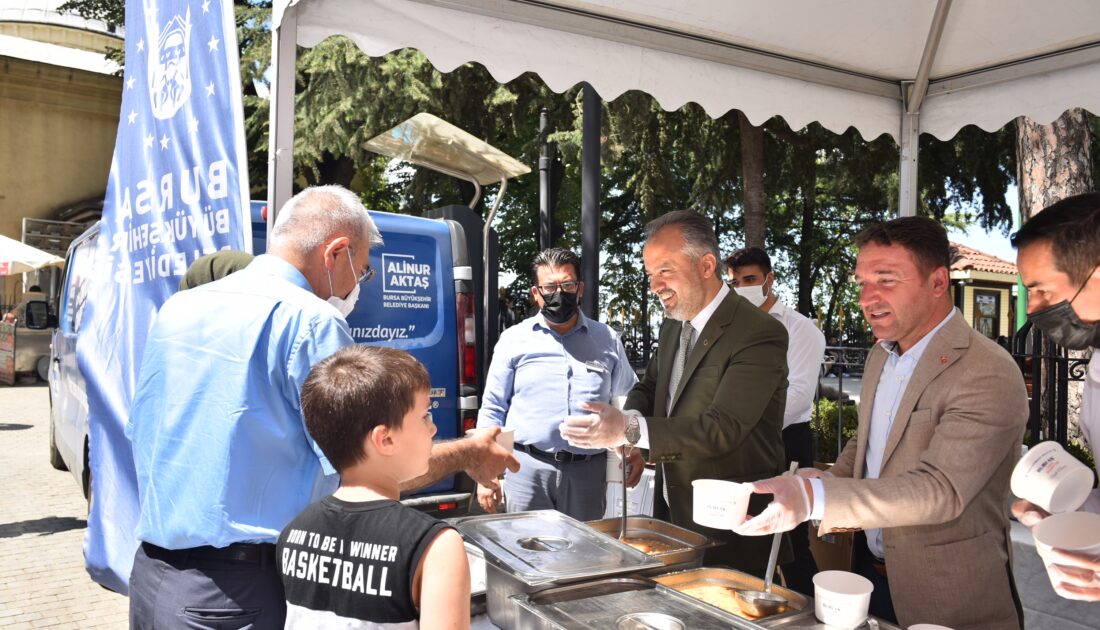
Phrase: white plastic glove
pixel 790 506
pixel 604 428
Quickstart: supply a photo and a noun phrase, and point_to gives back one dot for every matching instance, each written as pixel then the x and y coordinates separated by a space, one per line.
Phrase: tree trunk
pixel 752 174
pixel 1054 162
pixel 807 238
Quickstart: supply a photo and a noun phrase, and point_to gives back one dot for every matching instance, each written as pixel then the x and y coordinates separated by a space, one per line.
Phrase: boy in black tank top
pixel 359 558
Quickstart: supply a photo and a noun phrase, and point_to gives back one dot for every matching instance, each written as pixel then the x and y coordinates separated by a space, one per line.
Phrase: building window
pixel 987 312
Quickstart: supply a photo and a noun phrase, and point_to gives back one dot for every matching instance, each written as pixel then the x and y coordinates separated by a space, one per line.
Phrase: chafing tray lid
pixel 547 546
pixel 609 604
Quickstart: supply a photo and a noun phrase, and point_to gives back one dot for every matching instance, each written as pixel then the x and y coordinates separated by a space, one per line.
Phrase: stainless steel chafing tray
pixel 686 548
pixel 806 620
pixel 525 551
pixel 619 604
pixel 684 581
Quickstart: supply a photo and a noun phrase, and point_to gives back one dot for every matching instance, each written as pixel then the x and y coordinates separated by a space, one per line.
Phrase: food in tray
pixel 652 546
pixel 723 597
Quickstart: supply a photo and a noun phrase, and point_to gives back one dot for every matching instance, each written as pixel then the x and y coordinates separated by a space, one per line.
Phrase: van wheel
pixel 55 455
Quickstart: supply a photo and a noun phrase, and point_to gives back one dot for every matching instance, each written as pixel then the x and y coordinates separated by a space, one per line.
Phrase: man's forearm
pixel 447 459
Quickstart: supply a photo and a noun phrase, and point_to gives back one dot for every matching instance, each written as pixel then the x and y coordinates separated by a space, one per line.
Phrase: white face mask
pixel 344 305
pixel 757 294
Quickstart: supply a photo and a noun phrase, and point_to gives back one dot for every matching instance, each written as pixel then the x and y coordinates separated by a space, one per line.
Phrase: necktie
pixel 680 361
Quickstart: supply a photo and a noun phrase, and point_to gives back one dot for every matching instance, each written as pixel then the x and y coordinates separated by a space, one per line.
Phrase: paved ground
pixel 42 521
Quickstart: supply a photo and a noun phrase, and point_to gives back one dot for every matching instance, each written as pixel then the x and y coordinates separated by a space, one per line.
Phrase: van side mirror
pixel 37 315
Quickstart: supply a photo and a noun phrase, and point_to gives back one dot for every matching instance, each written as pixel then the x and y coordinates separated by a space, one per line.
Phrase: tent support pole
pixel 590 201
pixel 280 166
pixel 910 145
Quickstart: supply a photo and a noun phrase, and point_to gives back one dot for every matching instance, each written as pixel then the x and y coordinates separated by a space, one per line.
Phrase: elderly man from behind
pixel 710 405
pixel 1059 263
pixel 750 274
pixel 941 417
pixel 222 455
pixel 543 369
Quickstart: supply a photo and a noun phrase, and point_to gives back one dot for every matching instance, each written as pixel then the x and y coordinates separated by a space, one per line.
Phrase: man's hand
pixel 605 427
pixel 1028 513
pixel 1075 575
pixel 488 460
pixel 790 506
pixel 635 466
pixel 488 498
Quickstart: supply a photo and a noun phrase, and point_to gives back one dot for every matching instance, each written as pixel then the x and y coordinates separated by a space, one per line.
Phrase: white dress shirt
pixel 888 394
pixel 805 352
pixel 1089 421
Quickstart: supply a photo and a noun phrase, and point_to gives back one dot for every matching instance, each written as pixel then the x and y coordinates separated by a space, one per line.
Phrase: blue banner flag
pixel 178 190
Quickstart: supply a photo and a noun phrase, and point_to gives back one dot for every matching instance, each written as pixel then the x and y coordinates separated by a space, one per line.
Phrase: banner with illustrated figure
pixel 177 191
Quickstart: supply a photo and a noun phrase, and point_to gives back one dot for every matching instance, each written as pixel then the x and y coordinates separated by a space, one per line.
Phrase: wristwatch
pixel 633 429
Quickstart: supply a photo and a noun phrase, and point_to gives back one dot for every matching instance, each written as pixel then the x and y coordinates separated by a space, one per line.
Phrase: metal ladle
pixel 764 603
pixel 622 463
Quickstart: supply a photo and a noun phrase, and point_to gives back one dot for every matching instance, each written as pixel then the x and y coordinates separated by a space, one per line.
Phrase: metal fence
pixel 1048 372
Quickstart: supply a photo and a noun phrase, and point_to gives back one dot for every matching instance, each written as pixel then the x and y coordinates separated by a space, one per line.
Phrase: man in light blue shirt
pixel 222 455
pixel 543 368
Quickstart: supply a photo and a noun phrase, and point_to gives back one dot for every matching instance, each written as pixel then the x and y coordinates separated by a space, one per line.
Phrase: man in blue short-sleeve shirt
pixel 222 454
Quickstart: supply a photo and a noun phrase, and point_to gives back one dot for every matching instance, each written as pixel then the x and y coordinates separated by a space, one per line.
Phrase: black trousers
pixel 237 588
pixel 863 563
pixel 798 446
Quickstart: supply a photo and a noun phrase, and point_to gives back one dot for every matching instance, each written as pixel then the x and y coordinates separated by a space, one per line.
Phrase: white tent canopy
pixel 17 257
pixel 899 68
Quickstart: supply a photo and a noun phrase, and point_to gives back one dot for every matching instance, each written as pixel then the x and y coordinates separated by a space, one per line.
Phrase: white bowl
pixel 841 598
pixel 1051 478
pixel 1076 532
pixel 720 504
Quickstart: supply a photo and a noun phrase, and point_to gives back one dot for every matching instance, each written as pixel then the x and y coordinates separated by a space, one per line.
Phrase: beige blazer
pixel 941 496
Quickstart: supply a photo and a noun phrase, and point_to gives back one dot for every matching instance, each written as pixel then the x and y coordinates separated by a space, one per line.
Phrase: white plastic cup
pixel 506 438
pixel 1051 478
pixel 928 626
pixel 718 503
pixel 1076 532
pixel 618 402
pixel 841 598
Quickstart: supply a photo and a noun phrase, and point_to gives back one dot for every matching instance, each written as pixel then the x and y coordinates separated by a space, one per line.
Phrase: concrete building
pixel 59 110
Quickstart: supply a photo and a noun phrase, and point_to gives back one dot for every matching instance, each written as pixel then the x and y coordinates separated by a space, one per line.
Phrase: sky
pixel 990 242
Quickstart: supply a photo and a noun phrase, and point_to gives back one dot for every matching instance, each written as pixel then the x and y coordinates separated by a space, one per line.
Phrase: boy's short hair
pixel 749 256
pixel 1072 228
pixel 355 390
pixel 925 239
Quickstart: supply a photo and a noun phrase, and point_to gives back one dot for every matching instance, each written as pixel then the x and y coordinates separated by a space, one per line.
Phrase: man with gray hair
pixel 222 455
pixel 711 402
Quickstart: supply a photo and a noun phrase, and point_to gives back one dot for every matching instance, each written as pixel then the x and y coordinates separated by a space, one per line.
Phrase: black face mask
pixel 559 307
pixel 1064 327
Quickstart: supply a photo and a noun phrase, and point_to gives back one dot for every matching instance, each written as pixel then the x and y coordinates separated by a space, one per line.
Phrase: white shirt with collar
pixel 698 323
pixel 1089 421
pixel 805 352
pixel 892 383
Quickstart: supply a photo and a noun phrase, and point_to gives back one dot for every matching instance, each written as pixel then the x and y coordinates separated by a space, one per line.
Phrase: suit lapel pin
pixel 943 359
pixel 705 342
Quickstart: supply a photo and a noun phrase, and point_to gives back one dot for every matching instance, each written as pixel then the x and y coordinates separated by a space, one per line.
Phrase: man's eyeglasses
pixel 367 275
pixel 550 289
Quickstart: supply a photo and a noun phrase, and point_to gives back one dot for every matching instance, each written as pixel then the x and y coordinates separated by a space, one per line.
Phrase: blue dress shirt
pixel 220 446
pixel 538 377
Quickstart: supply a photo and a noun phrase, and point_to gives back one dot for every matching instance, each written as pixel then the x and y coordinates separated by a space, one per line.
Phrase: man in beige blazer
pixel 941 417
